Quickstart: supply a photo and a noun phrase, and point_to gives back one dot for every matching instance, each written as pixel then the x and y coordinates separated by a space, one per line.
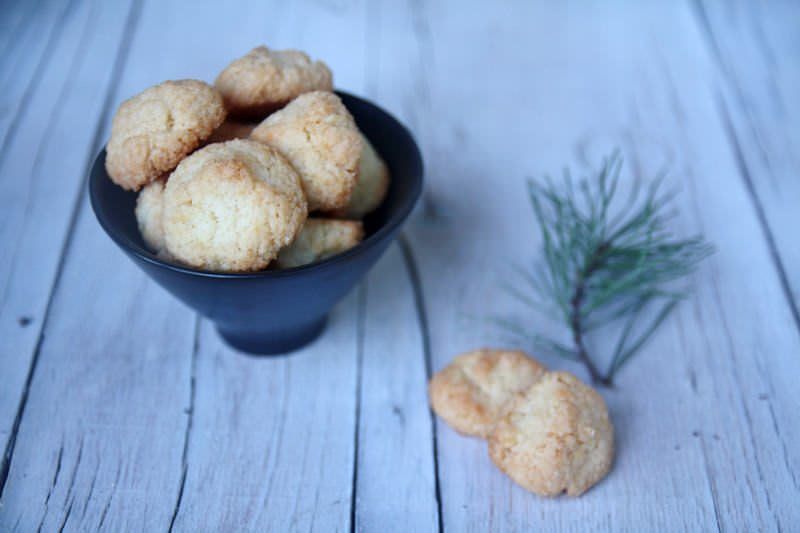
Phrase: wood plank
pixel 100 441
pixel 271 444
pixel 704 418
pixel 28 50
pixel 284 426
pixel 396 474
pixel 755 46
pixel 41 173
pixel 166 451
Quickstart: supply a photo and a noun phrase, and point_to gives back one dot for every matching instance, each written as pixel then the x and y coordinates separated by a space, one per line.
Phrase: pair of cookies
pixel 234 204
pixel 548 431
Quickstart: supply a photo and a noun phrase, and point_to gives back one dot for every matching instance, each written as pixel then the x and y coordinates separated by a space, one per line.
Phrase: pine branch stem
pixel 576 324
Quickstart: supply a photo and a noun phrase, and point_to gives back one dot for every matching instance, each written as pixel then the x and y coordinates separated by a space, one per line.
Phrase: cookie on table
pixel 149 214
pixel 557 437
pixel 473 391
pixel 158 127
pixel 320 139
pixel 319 239
pixel 230 207
pixel 232 129
pixel 372 183
pixel 265 80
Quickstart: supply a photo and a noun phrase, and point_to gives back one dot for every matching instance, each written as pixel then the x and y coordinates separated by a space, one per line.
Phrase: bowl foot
pixel 272 342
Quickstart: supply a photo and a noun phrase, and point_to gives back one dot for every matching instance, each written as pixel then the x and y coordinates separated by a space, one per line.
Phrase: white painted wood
pixel 396 475
pixel 139 419
pixel 284 426
pixel 41 173
pixel 306 478
pixel 532 89
pixel 28 46
pixel 100 442
pixel 756 47
pixel 272 439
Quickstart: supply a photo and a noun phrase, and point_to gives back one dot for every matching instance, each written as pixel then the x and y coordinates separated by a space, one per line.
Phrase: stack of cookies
pixel 265 169
pixel 548 431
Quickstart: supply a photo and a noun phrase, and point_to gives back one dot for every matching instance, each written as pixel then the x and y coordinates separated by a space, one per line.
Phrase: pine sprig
pixel 605 258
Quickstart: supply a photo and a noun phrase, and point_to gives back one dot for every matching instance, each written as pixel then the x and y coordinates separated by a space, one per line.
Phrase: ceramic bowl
pixel 275 311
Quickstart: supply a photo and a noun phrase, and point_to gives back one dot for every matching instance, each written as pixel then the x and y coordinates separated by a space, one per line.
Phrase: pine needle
pixel 605 259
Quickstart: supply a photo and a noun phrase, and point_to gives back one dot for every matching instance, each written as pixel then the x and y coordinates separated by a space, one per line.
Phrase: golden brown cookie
pixel 265 80
pixel 232 129
pixel 155 129
pixel 474 390
pixel 319 239
pixel 318 136
pixel 149 214
pixel 557 437
pixel 230 207
pixel 371 186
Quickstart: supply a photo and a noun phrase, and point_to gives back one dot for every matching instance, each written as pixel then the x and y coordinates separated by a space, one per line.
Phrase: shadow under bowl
pixel 275 311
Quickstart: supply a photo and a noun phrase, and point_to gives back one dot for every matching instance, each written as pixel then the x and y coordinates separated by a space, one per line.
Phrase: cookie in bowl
pixel 231 207
pixel 319 239
pixel 265 80
pixel 154 130
pixel 232 129
pixel 371 186
pixel 319 137
pixel 150 216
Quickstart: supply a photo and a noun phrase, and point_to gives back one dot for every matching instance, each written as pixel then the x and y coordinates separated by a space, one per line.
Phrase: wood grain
pixel 121 410
pixel 703 398
pixel 41 176
pixel 755 48
pixel 396 471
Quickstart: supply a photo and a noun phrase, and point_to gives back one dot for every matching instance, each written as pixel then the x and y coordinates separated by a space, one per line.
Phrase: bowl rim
pixel 394 222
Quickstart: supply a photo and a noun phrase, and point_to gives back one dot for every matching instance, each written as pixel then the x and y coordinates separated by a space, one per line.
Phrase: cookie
pixel 473 391
pixel 153 131
pixel 265 80
pixel 372 183
pixel 320 139
pixel 319 239
pixel 556 437
pixel 232 129
pixel 149 214
pixel 230 207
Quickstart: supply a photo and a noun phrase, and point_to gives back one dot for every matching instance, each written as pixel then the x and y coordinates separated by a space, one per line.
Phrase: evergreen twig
pixel 605 259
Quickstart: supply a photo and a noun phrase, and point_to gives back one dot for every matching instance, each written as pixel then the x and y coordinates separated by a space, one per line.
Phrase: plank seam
pixel 54 116
pixel 741 163
pixel 422 320
pixel 187 435
pixel 44 60
pixel 745 410
pixel 360 328
pixel 122 54
pixel 711 487
pixel 747 178
pixel 22 23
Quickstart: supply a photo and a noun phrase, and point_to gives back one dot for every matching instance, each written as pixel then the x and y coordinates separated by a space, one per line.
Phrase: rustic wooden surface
pixel 121 410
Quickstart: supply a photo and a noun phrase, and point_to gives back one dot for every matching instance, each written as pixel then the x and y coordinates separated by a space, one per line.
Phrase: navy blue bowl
pixel 275 311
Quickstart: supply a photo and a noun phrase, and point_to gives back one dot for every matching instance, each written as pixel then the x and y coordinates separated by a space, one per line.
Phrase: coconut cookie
pixel 319 239
pixel 155 129
pixel 557 437
pixel 149 214
pixel 265 80
pixel 371 186
pixel 320 139
pixel 474 390
pixel 232 129
pixel 230 207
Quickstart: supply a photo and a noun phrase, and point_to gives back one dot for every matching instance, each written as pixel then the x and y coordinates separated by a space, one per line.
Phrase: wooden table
pixel 121 410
